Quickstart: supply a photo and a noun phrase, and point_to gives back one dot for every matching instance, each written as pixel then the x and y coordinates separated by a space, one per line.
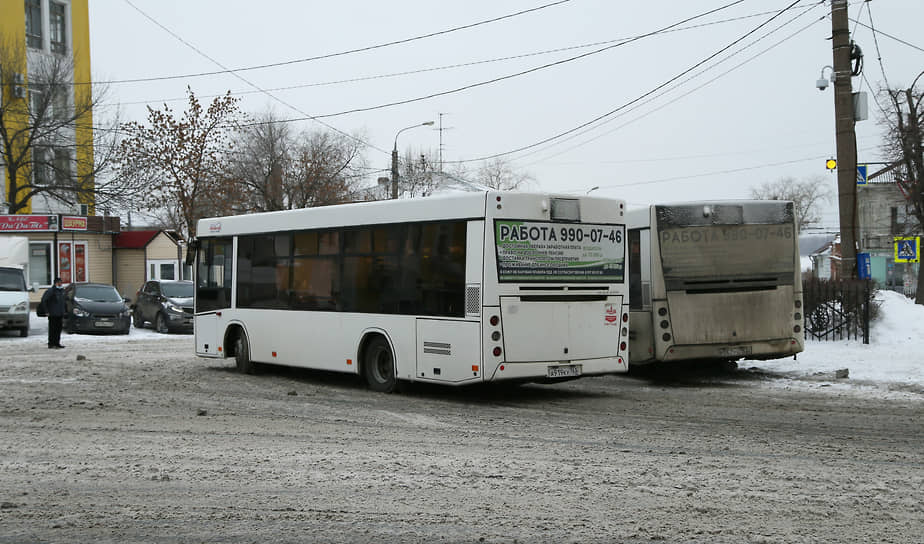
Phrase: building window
pixel 60 103
pixel 40 263
pixel 62 167
pixel 58 28
pixel 34 24
pixel 162 269
pixel 36 102
pixel 41 166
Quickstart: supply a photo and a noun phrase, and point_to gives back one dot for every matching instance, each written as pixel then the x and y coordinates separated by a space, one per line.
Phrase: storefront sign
pixel 28 223
pixel 73 223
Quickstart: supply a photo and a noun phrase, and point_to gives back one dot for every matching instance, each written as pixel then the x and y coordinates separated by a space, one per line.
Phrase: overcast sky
pixel 755 117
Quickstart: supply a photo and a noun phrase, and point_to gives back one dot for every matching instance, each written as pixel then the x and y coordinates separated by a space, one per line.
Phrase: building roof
pixel 135 239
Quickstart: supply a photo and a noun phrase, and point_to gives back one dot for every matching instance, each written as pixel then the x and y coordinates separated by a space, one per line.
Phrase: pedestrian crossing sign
pixel 908 249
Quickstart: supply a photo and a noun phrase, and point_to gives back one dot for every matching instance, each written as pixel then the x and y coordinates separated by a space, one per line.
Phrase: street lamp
pixel 592 189
pixel 394 158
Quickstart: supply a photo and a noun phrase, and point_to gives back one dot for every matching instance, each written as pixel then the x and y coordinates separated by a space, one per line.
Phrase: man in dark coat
pixel 53 301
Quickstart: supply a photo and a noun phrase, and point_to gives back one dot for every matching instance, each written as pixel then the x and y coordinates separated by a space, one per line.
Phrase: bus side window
pixel 645 267
pixel 635 270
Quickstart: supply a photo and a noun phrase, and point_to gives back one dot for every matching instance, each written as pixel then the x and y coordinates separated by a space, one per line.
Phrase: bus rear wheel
pixel 379 366
pixel 242 355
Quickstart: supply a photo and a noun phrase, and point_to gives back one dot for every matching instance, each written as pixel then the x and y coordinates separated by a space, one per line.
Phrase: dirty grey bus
pixel 714 281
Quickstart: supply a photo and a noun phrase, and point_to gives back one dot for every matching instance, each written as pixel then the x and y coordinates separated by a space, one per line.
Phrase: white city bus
pixel 462 289
pixel 714 281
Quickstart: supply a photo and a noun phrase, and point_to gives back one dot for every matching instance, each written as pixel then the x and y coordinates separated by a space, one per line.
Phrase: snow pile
pixel 894 356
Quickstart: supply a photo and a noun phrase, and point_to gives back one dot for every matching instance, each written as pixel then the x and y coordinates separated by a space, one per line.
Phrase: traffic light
pixel 830 164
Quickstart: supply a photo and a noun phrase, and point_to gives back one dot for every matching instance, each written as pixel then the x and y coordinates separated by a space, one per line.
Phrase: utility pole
pixel 441 129
pixel 844 125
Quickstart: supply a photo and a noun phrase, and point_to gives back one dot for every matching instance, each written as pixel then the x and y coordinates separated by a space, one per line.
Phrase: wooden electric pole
pixel 846 138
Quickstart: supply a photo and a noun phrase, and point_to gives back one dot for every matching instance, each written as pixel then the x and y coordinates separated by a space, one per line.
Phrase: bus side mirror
pixel 191 249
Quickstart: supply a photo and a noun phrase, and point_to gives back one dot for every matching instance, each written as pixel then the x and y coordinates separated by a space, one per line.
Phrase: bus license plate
pixel 737 351
pixel 564 371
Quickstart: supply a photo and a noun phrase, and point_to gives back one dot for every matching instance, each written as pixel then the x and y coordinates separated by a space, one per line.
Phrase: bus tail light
pixel 496 335
pixel 622 346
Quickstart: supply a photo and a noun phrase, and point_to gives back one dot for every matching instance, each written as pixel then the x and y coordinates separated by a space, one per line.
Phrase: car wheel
pixel 138 319
pixel 160 324
pixel 242 355
pixel 24 332
pixel 379 366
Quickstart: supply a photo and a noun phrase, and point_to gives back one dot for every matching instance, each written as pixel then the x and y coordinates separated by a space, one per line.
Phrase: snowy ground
pixel 139 440
pixel 891 363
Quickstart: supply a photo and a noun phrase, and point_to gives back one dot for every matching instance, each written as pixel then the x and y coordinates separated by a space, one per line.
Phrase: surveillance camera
pixel 822 84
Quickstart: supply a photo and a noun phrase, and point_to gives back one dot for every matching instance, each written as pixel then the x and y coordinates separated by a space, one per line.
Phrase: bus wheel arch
pixel 237 345
pixel 377 362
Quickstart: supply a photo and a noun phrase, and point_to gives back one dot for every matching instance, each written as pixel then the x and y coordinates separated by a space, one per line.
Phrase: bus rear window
pixel 727 253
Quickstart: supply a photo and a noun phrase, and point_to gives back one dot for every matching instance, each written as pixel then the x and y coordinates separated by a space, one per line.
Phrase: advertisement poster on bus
pixel 545 251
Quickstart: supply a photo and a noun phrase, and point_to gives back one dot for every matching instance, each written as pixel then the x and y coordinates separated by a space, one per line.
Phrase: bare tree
pixel 806 195
pixel 181 162
pixel 48 143
pixel 262 159
pixel 326 167
pixel 420 176
pixel 499 174
pixel 904 145
pixel 279 170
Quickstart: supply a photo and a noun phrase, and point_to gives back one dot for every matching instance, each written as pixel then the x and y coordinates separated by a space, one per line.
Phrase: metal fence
pixel 838 309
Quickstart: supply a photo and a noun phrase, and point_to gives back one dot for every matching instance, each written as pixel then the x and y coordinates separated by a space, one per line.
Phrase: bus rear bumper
pixel 557 370
pixel 767 349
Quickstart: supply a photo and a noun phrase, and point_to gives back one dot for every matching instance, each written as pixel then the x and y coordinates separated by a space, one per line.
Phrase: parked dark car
pixel 166 305
pixel 95 307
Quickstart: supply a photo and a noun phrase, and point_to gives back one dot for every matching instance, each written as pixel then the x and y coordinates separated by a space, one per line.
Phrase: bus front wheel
pixel 242 355
pixel 379 366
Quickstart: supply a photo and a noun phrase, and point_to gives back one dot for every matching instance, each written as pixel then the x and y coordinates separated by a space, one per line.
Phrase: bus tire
pixel 242 355
pixel 379 366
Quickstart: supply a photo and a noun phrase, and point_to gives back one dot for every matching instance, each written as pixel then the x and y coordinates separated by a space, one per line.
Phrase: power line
pixel 338 54
pixel 639 98
pixel 679 84
pixel 461 64
pixel 715 173
pixel 869 13
pixel 899 40
pixel 242 78
pixel 517 74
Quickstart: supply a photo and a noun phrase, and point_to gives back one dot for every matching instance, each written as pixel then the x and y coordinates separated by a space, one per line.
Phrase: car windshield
pixel 11 280
pixel 177 290
pixel 98 293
